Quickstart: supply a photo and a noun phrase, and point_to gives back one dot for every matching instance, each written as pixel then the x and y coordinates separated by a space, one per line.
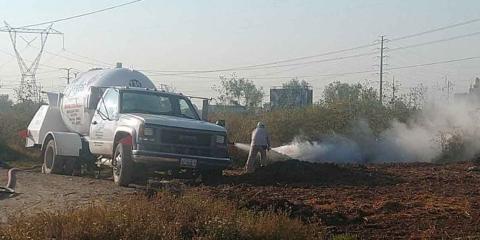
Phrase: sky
pixel 156 37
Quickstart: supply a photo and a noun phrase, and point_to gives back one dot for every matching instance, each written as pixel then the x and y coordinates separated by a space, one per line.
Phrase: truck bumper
pixel 151 158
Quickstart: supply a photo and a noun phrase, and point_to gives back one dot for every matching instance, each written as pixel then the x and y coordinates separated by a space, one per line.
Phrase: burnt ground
pixel 414 200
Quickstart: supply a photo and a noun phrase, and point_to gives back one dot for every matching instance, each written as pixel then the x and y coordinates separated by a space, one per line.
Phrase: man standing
pixel 260 143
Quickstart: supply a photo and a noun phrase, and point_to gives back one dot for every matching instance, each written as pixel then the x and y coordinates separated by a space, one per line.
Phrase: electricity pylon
pixel 29 89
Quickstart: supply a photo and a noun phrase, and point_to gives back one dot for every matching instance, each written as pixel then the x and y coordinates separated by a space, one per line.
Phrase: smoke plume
pixel 447 132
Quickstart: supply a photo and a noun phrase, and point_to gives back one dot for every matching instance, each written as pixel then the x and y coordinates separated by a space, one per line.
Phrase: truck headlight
pixel 148 131
pixel 220 139
pixel 146 134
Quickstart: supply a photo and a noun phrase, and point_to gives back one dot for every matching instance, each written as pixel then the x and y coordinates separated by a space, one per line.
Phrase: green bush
pixel 13 119
pixel 311 122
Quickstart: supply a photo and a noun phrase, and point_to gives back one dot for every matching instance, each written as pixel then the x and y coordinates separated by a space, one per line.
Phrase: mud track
pixel 37 192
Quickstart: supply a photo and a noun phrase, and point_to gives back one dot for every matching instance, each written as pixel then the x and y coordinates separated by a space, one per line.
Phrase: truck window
pixel 156 103
pixel 186 110
pixel 109 105
pixel 138 102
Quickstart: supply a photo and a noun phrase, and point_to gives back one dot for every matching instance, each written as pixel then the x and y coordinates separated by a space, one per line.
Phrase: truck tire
pixel 123 167
pixel 71 165
pixel 52 163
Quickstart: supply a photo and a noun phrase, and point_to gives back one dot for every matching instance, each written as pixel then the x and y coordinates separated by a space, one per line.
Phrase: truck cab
pixel 154 130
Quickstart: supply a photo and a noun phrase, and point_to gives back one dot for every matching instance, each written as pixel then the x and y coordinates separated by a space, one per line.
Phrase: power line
pixel 435 63
pixel 90 58
pixel 263 65
pixel 436 29
pixel 274 63
pixel 40 64
pixel 81 15
pixel 350 73
pixel 255 66
pixel 328 59
pixel 75 60
pixel 268 67
pixel 435 41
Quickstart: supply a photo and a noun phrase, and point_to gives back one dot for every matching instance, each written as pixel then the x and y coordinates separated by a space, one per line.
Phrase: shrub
pixel 310 122
pixel 13 119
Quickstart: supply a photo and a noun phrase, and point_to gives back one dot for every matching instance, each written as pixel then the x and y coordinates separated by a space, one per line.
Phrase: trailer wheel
pixel 52 163
pixel 123 167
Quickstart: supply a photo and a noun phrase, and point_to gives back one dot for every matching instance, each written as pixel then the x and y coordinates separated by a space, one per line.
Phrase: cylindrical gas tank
pixel 73 107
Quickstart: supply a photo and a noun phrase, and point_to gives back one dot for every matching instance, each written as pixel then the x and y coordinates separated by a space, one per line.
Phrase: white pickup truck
pixel 118 118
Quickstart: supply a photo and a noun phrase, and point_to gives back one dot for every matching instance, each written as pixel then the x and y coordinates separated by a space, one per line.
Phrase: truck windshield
pixel 156 103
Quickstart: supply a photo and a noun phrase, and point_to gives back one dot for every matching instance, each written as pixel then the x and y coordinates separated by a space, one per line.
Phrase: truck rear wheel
pixel 72 166
pixel 52 163
pixel 123 167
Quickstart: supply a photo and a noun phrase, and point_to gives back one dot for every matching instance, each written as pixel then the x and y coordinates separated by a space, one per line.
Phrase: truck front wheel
pixel 123 165
pixel 52 163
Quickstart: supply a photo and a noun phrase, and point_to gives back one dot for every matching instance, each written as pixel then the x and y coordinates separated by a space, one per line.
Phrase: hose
pixel 12 179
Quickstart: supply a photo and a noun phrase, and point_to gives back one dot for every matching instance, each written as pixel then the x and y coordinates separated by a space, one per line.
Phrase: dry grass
pixel 164 217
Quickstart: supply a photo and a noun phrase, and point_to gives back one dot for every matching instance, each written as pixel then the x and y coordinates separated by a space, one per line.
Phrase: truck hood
pixel 172 121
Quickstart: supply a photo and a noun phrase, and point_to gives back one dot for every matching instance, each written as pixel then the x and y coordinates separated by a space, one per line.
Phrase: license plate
pixel 188 162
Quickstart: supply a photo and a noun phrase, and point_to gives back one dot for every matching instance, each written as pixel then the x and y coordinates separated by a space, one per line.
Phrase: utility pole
pixel 381 69
pixel 394 88
pixel 68 74
pixel 449 86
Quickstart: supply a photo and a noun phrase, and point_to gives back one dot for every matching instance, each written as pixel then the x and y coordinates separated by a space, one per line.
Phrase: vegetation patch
pixel 164 216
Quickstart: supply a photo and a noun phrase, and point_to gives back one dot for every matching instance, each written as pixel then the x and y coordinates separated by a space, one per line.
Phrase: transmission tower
pixel 29 89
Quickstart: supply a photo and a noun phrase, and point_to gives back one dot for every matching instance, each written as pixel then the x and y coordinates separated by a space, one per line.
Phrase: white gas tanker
pixel 116 117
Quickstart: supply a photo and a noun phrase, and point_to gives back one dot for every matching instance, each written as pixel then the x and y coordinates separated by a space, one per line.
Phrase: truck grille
pixel 187 142
pixel 181 137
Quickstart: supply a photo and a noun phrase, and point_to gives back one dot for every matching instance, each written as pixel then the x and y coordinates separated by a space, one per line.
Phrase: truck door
pixel 104 123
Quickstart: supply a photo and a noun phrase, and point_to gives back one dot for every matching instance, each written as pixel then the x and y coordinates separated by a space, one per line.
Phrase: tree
pixel 417 96
pixel 342 93
pixel 239 91
pixel 296 84
pixel 353 98
pixel 27 93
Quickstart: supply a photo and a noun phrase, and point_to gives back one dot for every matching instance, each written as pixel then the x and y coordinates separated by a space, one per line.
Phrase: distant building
pixel 291 97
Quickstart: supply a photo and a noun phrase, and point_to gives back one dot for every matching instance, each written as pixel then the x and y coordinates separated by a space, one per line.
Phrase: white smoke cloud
pixel 438 131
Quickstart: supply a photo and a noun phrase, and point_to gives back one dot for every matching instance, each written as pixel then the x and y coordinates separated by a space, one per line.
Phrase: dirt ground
pixel 387 201
pixel 416 200
pixel 37 192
